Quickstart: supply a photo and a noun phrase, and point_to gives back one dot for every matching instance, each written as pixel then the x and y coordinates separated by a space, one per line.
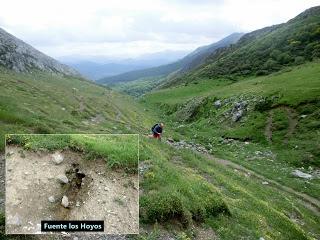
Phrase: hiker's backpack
pixel 152 129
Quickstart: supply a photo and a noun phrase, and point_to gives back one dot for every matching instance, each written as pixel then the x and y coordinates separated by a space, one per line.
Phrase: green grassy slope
pixel 44 103
pixel 140 86
pixel 179 188
pixel 143 73
pixel 253 210
pixel 295 85
pixel 268 124
pixel 288 101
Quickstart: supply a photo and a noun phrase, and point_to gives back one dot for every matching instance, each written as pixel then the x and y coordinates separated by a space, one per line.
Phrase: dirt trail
pixel 309 202
pixel 104 195
pixel 268 129
pixel 82 106
pixel 292 123
pixel 119 114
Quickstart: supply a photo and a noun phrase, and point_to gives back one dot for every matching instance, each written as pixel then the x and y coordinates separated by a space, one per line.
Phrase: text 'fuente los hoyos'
pixel 72 226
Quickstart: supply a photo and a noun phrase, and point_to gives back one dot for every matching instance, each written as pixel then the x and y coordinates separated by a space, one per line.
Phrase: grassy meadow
pixel 191 112
pixel 183 192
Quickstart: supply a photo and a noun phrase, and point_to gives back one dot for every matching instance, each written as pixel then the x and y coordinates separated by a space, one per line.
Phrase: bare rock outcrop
pixel 21 57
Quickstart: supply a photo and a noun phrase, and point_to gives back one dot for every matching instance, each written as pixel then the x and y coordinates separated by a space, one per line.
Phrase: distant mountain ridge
pixel 189 62
pixel 198 57
pixel 21 57
pixel 97 67
pixel 95 71
pixel 263 51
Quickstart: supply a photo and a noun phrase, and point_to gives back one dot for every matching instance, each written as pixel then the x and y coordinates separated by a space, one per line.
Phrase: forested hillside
pixel 264 51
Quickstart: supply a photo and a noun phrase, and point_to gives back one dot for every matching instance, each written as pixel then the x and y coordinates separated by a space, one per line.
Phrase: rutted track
pixel 292 123
pixel 309 202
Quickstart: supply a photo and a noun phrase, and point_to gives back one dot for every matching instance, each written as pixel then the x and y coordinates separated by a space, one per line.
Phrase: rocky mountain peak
pixel 21 57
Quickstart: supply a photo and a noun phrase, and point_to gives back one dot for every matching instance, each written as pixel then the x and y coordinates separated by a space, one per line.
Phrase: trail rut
pixel 292 119
pixel 309 202
pixel 268 129
pixel 292 123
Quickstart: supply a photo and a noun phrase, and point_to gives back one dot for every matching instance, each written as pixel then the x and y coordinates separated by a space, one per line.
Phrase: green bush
pixel 271 65
pixel 263 105
pixel 284 58
pixel 190 111
pixel 42 129
pixel 262 72
pixel 299 60
pixel 163 206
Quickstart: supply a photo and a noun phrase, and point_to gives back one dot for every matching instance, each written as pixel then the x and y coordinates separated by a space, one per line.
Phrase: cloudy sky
pixel 130 28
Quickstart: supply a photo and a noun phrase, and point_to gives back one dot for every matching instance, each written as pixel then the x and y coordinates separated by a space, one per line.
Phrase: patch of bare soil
pixel 268 129
pixel 97 119
pixel 82 105
pixel 205 234
pixel 34 191
pixel 293 121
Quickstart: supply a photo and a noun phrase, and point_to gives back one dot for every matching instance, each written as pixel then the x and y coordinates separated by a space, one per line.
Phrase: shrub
pixel 299 60
pixel 164 206
pixel 42 129
pixel 263 105
pixel 284 58
pixel 316 51
pixel 262 72
pixel 271 65
pixel 190 110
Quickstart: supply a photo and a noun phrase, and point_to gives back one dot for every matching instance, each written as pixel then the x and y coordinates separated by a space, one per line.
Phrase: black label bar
pixel 72 226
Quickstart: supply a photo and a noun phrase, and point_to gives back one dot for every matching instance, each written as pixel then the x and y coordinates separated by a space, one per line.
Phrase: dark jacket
pixel 156 129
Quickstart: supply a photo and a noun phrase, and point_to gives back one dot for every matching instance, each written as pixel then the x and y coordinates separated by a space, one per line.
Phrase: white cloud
pixel 129 28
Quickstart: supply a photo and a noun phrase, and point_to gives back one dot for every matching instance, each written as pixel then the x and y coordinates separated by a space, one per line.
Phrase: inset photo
pixel 72 177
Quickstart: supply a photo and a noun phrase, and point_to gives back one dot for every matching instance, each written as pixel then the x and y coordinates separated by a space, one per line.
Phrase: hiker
pixel 157 131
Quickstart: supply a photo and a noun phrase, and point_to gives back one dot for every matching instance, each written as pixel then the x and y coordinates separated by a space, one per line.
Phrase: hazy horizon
pixel 124 30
